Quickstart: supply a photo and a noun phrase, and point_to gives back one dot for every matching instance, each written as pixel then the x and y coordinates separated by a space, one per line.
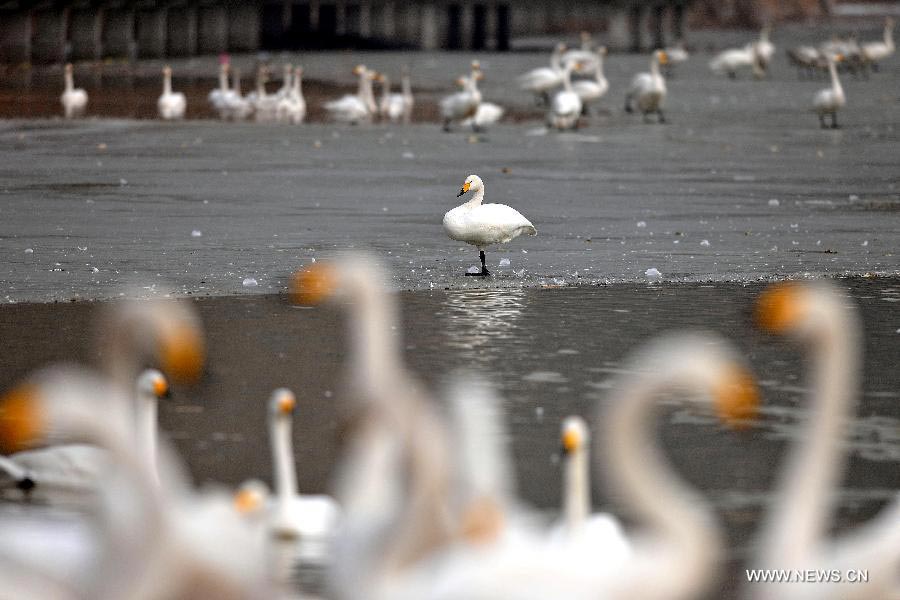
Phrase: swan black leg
pixel 662 117
pixel 484 271
pixel 834 123
pixel 822 121
pixel 628 107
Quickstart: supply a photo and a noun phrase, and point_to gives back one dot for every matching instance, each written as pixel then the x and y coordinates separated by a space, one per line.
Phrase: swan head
pixel 298 71
pixel 476 65
pixel 602 51
pixel 662 57
pixel 803 310
pixel 251 497
pixel 282 402
pixel 153 384
pixel 575 435
pixel 359 70
pixel 472 183
pixel 68 68
pixel 167 71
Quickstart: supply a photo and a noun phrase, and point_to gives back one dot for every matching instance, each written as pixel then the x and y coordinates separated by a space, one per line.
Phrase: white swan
pixel 597 534
pixel 484 225
pixel 74 100
pixel 310 519
pixel 830 100
pixel 734 59
pixel 679 546
pixel 218 96
pixel 873 52
pixel 463 105
pixel 353 108
pixel 235 106
pixel 793 534
pixel 486 115
pixel 586 55
pixel 591 90
pixel 566 106
pixel 292 107
pixel 284 91
pixel 264 104
pixel 763 48
pixel 543 80
pixel 171 105
pixel 678 53
pixel 647 92
pixel 408 98
pixel 392 107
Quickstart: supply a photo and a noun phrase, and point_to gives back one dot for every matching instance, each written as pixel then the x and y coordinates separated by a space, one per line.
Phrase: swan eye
pixel 183 352
pixel 571 441
pixel 160 387
pixel 21 421
pixel 737 398
pixel 313 285
pixel 779 307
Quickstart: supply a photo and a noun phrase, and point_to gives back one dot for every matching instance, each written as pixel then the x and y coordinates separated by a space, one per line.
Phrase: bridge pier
pixel 15 37
pixel 84 34
pixel 181 30
pixel 243 27
pixel 151 33
pixel 213 29
pixel 117 33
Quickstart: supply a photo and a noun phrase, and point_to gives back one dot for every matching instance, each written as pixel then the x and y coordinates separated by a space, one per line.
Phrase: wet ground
pixel 551 353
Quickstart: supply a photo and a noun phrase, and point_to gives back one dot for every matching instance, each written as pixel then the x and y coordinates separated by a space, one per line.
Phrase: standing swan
pixel 565 108
pixel 589 90
pixel 830 100
pixel 792 536
pixel 484 225
pixel 876 51
pixel 647 92
pixel 542 80
pixel 74 100
pixel 171 105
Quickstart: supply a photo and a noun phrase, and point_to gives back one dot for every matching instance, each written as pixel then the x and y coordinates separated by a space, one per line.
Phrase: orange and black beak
pixel 463 189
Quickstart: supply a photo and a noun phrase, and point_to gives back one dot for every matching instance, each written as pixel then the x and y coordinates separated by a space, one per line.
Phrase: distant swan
pixel 74 100
pixel 171 105
pixel 830 100
pixel 647 92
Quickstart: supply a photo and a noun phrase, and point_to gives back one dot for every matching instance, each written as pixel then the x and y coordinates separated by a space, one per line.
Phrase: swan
pixel 219 96
pixel 807 59
pixel 591 90
pixel 153 543
pixel 873 52
pixel 284 91
pixel 74 100
pixel 566 106
pixel 647 92
pixel 484 225
pixel 353 108
pixel 732 60
pixel 816 314
pixel 586 55
pixel 764 49
pixel 398 441
pixel 408 99
pixel 486 115
pixel 679 547
pixel 542 80
pixel 264 104
pixel 292 107
pixel 235 106
pixel 830 100
pixel 463 105
pixel 171 105
pixel 678 53
pixel 392 107
pixel 309 518
pixel 63 473
pixel 598 534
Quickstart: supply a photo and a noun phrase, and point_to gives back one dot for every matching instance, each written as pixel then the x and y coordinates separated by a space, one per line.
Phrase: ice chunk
pixel 704 243
pixel 196 233
pixel 539 410
pixel 409 155
pixel 473 269
pixel 641 224
pixel 865 243
pixel 774 202
pixel 250 282
pixel 29 251
pixel 652 272
pixel 504 262
pixel 558 281
pixel 123 182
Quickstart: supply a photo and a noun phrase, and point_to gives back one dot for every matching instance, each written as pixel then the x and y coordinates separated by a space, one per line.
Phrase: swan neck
pixel 70 82
pixel 477 197
pixel 298 84
pixel 577 500
pixel 223 80
pixel 374 346
pixel 283 458
pixel 835 81
pixel 146 424
pixel 167 84
pixel 567 78
pixel 407 87
pixel 654 66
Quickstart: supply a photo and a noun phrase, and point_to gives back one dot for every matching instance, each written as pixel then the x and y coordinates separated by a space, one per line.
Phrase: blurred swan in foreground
pixel 151 543
pixel 647 92
pixel 794 533
pixel 678 548
pixel 543 80
pixel 830 100
pixel 484 225
pixel 171 105
pixel 74 100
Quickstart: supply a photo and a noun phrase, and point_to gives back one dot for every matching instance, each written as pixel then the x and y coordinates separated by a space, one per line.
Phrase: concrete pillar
pixel 340 17
pixel 117 33
pixel 658 22
pixel 85 27
pixel 243 27
pixel 365 19
pixel 388 23
pixel 618 33
pixel 490 26
pixel 181 27
pixel 48 35
pixel 467 25
pixel 212 30
pixel 15 37
pixel 314 15
pixel 502 32
pixel 678 21
pixel 520 19
pixel 636 24
pixel 151 33
pixel 429 36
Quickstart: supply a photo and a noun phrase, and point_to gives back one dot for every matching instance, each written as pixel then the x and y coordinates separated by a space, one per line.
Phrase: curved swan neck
pixel 654 66
pixel 374 346
pixel 283 459
pixel 147 431
pixel 298 83
pixel 577 489
pixel 477 197
pixel 815 464
pixel 835 81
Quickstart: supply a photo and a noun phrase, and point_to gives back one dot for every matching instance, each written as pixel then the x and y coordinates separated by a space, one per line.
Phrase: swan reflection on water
pixel 479 318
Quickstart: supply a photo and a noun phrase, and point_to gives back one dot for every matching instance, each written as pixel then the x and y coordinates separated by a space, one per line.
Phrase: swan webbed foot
pixel 484 271
pixel 26 485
